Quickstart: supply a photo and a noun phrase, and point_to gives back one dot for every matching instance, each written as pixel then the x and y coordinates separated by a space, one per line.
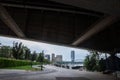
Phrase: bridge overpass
pixel 88 24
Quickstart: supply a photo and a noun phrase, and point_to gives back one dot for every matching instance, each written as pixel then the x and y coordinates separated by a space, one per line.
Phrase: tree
pixel 34 56
pixel 27 53
pixel 46 61
pixel 91 61
pixel 41 59
pixel 17 50
pixel 5 51
pixel 87 63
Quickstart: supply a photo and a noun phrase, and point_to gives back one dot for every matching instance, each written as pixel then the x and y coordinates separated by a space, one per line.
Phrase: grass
pixel 27 68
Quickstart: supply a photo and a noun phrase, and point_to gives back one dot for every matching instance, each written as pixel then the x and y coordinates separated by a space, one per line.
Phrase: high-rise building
pixel 58 58
pixel 72 56
pixel 47 56
pixel 53 57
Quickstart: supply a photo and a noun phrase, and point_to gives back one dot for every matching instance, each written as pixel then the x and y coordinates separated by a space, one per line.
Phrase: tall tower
pixel 53 57
pixel 72 56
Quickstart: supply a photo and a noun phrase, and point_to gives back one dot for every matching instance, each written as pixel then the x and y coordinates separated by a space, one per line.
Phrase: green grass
pixel 28 67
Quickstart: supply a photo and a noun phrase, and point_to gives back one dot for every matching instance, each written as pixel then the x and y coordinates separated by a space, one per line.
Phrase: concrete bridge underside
pixel 85 24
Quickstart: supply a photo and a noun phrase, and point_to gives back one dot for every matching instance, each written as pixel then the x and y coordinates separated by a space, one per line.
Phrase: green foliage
pixel 5 51
pixel 27 53
pixel 91 61
pixel 46 61
pixel 28 67
pixel 13 63
pixel 40 58
pixel 20 51
pixel 17 50
pixel 34 56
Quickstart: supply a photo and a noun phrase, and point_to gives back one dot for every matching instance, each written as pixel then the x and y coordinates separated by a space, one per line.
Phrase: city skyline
pixel 48 48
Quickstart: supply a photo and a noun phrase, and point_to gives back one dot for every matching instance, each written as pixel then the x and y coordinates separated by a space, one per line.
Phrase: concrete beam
pixel 111 7
pixel 8 20
pixel 50 9
pixel 97 27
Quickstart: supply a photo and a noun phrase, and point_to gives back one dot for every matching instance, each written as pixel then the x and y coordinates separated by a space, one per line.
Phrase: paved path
pixel 52 73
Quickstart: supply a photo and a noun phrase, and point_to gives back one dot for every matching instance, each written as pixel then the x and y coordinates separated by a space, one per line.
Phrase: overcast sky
pixel 48 48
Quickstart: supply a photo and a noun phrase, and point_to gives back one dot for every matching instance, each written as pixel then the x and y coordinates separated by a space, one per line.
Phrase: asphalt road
pixel 52 73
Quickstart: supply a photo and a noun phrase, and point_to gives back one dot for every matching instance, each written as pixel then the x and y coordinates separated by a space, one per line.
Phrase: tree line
pixel 21 52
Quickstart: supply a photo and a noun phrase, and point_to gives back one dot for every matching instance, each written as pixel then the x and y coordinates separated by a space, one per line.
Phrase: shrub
pixel 4 62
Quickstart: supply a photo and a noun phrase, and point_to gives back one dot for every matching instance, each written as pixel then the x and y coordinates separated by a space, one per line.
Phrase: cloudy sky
pixel 48 48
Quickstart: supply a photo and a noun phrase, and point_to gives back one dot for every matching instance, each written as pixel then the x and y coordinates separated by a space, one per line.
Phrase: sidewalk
pixel 6 71
pixel 45 71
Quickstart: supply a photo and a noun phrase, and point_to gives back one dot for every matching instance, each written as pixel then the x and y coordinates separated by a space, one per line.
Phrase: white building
pixel 58 58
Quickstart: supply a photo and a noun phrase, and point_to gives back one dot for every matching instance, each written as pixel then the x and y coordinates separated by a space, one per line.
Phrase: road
pixel 52 73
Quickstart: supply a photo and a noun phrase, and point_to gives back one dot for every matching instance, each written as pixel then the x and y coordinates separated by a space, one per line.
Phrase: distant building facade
pixel 72 56
pixel 58 58
pixel 53 57
pixel 47 56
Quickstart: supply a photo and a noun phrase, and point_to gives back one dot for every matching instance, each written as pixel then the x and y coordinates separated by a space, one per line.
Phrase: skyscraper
pixel 53 57
pixel 72 56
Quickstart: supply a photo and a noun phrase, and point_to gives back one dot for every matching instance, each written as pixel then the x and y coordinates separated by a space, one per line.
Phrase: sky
pixel 48 48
